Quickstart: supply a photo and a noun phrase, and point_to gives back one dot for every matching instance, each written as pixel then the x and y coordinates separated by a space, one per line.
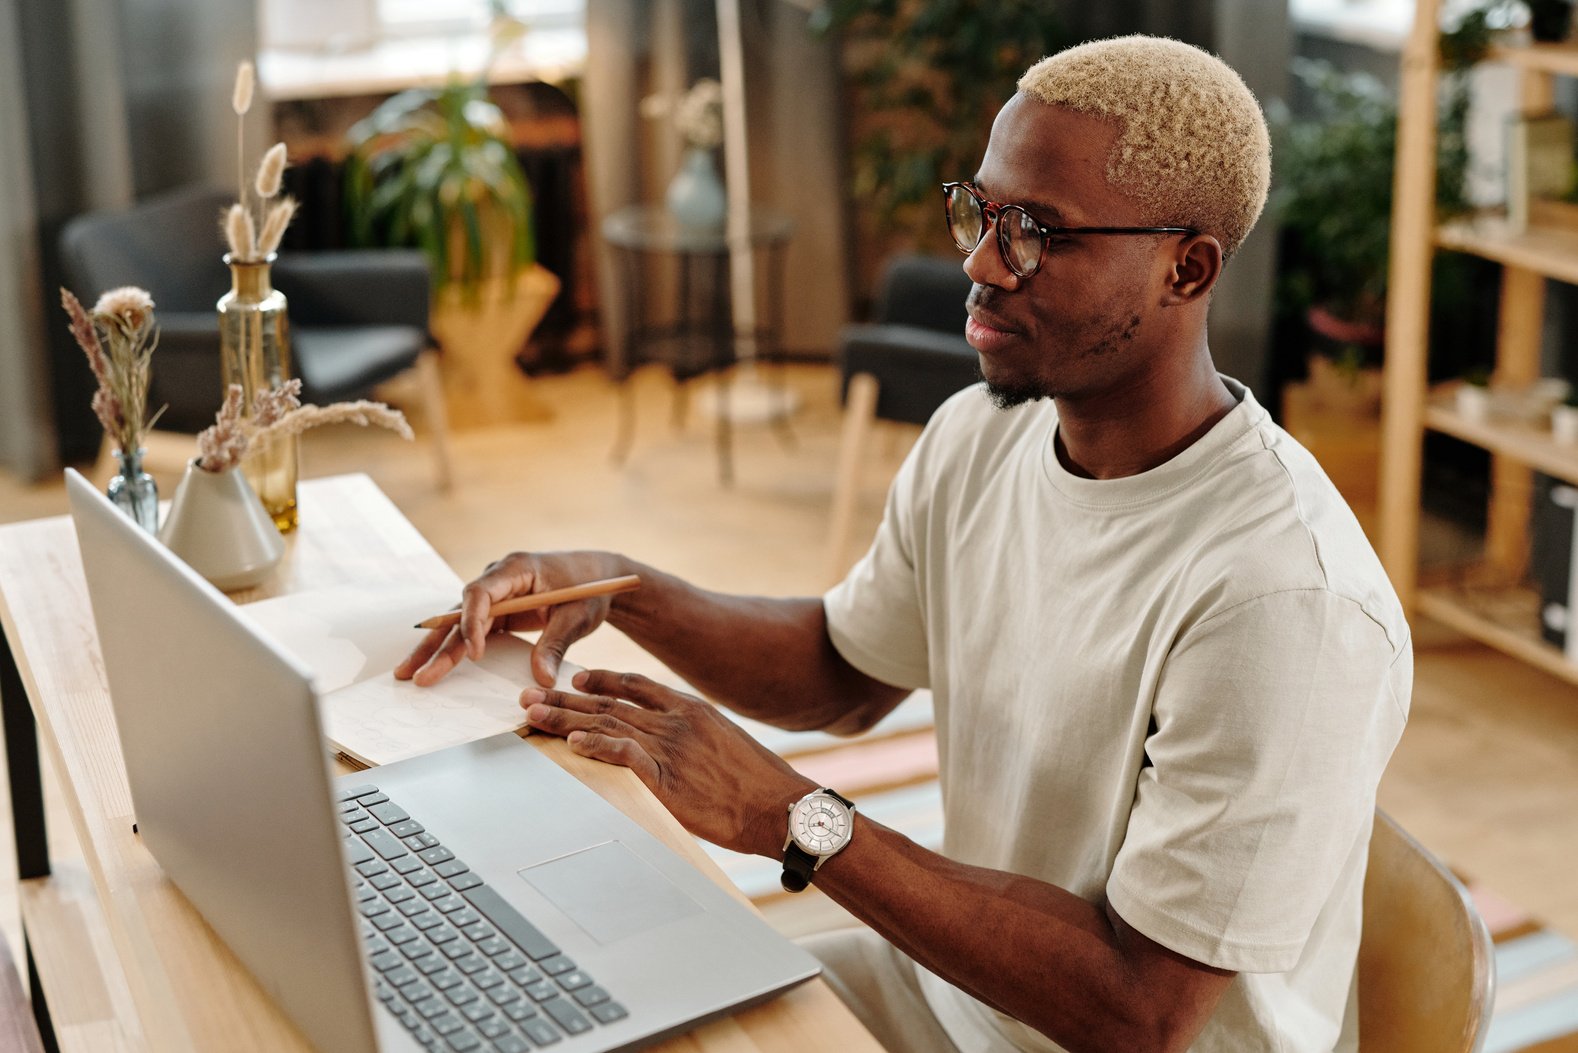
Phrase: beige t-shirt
pixel 1176 690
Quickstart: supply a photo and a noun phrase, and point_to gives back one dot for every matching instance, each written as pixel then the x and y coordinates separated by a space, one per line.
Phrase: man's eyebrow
pixel 1047 210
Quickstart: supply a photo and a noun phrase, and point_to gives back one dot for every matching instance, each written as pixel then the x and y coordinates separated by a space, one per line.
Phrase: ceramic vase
pixel 219 527
pixel 134 492
pixel 695 195
pixel 254 335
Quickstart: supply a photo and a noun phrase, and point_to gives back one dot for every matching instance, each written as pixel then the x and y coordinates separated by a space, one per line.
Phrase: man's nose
pixel 985 264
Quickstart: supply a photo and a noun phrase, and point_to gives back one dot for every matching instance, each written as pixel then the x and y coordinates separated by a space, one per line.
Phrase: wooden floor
pixel 1486 775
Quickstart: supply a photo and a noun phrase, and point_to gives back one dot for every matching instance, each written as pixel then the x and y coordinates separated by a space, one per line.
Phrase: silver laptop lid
pixel 228 773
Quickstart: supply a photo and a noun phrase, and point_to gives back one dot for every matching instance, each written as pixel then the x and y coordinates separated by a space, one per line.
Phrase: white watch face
pixel 820 824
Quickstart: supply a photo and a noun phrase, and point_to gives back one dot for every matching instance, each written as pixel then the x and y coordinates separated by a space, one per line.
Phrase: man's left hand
pixel 721 784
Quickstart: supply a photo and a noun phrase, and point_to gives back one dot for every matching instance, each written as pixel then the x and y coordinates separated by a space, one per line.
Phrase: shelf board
pixel 1506 619
pixel 1548 251
pixel 1561 59
pixel 1524 443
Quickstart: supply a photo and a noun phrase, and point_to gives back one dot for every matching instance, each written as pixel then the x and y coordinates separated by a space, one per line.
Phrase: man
pixel 1168 669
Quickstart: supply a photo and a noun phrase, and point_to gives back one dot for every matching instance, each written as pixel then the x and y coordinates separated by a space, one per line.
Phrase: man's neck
pixel 1144 425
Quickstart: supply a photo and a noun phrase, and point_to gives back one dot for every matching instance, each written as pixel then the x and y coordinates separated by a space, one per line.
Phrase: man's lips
pixel 984 333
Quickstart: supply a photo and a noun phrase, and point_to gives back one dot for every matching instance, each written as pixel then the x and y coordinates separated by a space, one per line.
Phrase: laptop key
pixel 406 828
pixel 463 917
pixel 385 960
pixel 405 864
pixel 523 975
pixel 540 1032
pixel 450 868
pixel 487 978
pixel 363 790
pixel 385 922
pixel 443 934
pixel 463 1041
pixel 434 965
pixel 493 1028
pixel 461 882
pixel 401 933
pixel 414 949
pixel 421 878
pixel 574 980
pixel 384 843
pixel 430 1007
pixel 374 798
pixel 461 996
pixel 417 842
pixel 382 882
pixel 590 996
pixel 471 963
pixel 446 1023
pixel 519 1010
pixel 509 961
pixel 357 852
pixel 510 1044
pixel 435 855
pixel 508 920
pixel 477 930
pixel 445 978
pixel 431 919
pixel 389 814
pixel 414 906
pixel 400 895
pixel 492 945
pixel 541 991
pixel 441 898
pixel 402 974
pixel 372 908
pixel 478 1010
pixel 372 868
pixel 608 1012
pixel 566 1015
pixel 361 826
pixel 460 949
pixel 556 965
pixel 503 994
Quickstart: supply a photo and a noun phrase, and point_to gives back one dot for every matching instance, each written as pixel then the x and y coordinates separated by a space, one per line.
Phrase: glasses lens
pixel 1021 240
pixel 965 222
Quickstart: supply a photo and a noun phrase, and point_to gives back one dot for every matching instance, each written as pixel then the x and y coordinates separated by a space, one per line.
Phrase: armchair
pixel 900 367
pixel 358 318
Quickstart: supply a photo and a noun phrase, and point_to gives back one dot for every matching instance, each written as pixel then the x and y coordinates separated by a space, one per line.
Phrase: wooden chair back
pixel 1426 965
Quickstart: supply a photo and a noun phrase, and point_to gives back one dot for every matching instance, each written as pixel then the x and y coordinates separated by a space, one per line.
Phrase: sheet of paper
pixel 352 638
pixel 347 634
pixel 381 719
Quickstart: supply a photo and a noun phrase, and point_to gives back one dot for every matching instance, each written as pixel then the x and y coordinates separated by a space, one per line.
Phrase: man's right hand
pixel 518 574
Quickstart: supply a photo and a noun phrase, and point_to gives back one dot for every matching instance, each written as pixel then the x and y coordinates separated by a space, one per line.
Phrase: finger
pixel 562 720
pixel 566 624
pixel 443 660
pixel 614 750
pixel 508 577
pixel 421 653
pixel 632 686
pixel 638 719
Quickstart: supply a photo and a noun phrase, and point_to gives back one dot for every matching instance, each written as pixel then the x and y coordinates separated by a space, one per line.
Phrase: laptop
pixel 474 898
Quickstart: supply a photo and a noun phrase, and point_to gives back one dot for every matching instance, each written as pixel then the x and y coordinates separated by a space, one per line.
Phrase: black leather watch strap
pixel 799 865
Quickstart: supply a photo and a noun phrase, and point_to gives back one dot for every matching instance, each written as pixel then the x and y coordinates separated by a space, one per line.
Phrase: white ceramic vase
pixel 696 196
pixel 217 525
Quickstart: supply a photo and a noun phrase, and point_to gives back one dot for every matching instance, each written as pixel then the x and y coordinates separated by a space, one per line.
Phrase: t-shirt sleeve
pixel 874 616
pixel 1273 721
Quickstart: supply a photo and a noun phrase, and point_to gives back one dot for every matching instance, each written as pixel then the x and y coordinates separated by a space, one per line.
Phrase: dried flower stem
pixel 122 319
pixel 278 414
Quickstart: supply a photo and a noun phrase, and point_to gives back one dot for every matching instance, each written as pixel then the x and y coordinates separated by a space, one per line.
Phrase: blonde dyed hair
pixel 1192 147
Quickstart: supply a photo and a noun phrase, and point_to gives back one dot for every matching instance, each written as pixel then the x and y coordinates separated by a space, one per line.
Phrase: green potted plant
pixel 434 169
pixel 1332 192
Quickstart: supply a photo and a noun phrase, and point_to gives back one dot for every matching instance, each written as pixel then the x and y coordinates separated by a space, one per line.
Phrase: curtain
pixel 636 48
pixel 100 103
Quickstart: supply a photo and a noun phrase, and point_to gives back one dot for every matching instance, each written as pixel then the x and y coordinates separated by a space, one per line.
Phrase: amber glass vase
pixel 254 334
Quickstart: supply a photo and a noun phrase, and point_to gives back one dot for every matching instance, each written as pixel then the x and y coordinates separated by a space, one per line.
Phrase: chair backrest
pixel 169 245
pixel 924 291
pixel 1426 965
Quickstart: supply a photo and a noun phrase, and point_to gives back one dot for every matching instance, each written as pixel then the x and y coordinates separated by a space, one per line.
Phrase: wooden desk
pixel 184 989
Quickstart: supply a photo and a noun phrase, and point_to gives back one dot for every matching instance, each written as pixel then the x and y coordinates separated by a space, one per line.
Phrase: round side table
pixel 701 336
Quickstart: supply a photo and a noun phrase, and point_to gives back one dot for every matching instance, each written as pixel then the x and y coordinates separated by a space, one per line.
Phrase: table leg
pixel 27 785
pixel 27 807
pixel 770 349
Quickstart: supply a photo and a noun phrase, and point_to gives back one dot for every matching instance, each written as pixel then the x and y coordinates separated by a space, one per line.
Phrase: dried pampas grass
pixel 241 94
pixel 277 414
pixel 255 225
pixel 119 359
pixel 240 233
pixel 274 225
pixel 271 171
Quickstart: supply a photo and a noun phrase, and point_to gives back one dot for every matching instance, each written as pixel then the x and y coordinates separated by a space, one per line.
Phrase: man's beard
pixel 1007 396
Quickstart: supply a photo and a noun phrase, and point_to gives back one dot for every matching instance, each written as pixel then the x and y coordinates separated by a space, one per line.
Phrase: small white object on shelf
pixel 1473 401
pixel 1564 424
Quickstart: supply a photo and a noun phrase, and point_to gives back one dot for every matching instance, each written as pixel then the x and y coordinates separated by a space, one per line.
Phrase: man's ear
pixel 1196 265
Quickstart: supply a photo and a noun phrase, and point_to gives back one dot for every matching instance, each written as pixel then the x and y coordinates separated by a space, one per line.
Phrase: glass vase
pixel 134 492
pixel 254 336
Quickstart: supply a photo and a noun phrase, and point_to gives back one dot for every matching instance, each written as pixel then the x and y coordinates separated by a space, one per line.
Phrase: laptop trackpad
pixel 610 891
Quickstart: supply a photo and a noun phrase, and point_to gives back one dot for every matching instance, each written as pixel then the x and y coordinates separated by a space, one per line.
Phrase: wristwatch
pixel 820 826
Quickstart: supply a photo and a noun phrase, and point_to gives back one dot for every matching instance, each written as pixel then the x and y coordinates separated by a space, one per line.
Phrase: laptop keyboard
pixel 459 966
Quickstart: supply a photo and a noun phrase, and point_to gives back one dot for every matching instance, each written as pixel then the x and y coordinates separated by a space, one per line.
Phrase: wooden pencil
pixel 585 591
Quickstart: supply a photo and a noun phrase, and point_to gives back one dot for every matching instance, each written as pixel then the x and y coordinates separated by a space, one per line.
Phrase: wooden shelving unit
pixel 1505 617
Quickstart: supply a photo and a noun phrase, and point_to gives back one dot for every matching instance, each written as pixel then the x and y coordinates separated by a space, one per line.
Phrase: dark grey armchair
pixel 899 367
pixel 358 318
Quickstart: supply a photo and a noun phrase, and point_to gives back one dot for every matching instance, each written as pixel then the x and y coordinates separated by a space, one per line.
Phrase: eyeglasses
pixel 1021 238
